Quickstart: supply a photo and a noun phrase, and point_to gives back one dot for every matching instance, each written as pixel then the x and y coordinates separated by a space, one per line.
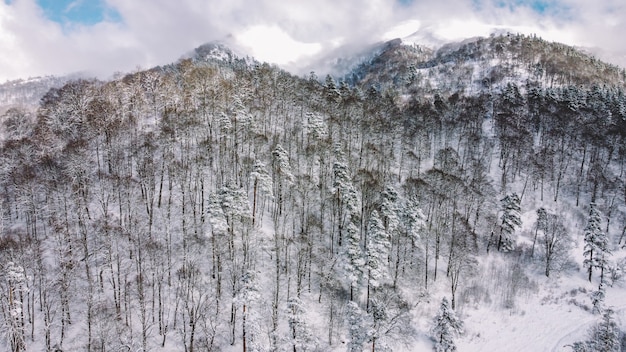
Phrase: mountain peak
pixel 214 51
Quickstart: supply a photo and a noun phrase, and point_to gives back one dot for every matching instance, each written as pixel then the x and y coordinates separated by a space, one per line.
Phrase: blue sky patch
pixel 85 12
pixel 540 6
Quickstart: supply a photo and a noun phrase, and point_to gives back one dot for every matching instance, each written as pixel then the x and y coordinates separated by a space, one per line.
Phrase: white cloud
pixel 272 44
pixel 402 30
pixel 286 32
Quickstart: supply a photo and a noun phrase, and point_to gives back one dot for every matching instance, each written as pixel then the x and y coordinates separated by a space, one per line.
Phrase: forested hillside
pixel 221 204
pixel 28 92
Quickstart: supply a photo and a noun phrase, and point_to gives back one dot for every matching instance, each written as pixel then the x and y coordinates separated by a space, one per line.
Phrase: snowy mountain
pixel 478 63
pixel 471 195
pixel 28 91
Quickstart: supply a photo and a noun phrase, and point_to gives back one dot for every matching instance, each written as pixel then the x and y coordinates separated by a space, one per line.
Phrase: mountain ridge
pixel 493 61
pixel 399 62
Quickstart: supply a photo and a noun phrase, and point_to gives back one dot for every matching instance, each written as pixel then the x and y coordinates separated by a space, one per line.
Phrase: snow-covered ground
pixel 549 321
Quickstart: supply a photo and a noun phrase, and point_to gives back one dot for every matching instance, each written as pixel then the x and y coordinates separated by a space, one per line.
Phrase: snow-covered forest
pixel 221 204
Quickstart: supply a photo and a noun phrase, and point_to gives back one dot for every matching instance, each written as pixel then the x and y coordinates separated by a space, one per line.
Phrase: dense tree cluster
pixel 212 203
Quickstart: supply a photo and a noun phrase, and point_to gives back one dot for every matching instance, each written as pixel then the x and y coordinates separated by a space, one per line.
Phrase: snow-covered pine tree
pixel 413 219
pixel 216 217
pixel 283 178
pixel 446 327
pixel 234 201
pixel 378 246
pixel 300 337
pixel 224 124
pixel 389 209
pixel 606 336
pixel 358 329
pixel 348 209
pixel 343 187
pixel 247 296
pixel 282 165
pixel 510 221
pixel 354 262
pixel 262 184
pixel 596 250
pixel 316 128
pixel 597 299
pixel 263 179
pixel 603 337
pixel 414 223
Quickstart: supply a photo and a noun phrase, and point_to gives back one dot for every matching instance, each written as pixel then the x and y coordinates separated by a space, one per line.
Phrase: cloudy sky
pixel 40 37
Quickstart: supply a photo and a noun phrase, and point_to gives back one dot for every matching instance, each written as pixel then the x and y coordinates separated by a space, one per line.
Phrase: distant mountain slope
pixel 484 63
pixel 28 91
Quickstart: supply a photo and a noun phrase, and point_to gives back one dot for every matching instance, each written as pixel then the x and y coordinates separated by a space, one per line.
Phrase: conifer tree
pixel 378 247
pixel 301 337
pixel 414 220
pixel 354 261
pixel 344 189
pixel 348 206
pixel 389 209
pixel 247 296
pixel 357 327
pixel 263 183
pixel 510 221
pixel 216 217
pixel 597 299
pixel 596 248
pixel 316 128
pixel 446 327
pixel 282 164
pixel 603 337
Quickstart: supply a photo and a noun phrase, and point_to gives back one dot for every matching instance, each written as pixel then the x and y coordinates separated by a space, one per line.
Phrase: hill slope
pixel 223 204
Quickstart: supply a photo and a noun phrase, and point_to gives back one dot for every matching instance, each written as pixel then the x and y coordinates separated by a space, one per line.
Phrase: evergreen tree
pixel 316 128
pixel 389 209
pixel 414 220
pixel 344 189
pixel 262 179
pixel 510 221
pixel 597 299
pixel 603 337
pixel 358 328
pixel 234 202
pixel 217 219
pixel 446 327
pixel 282 166
pixel 300 335
pixel 378 247
pixel 263 183
pixel 247 295
pixel 354 262
pixel 596 248
pixel 349 209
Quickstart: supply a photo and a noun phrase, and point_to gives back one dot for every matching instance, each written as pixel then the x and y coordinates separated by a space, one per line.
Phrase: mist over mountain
pixel 468 196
